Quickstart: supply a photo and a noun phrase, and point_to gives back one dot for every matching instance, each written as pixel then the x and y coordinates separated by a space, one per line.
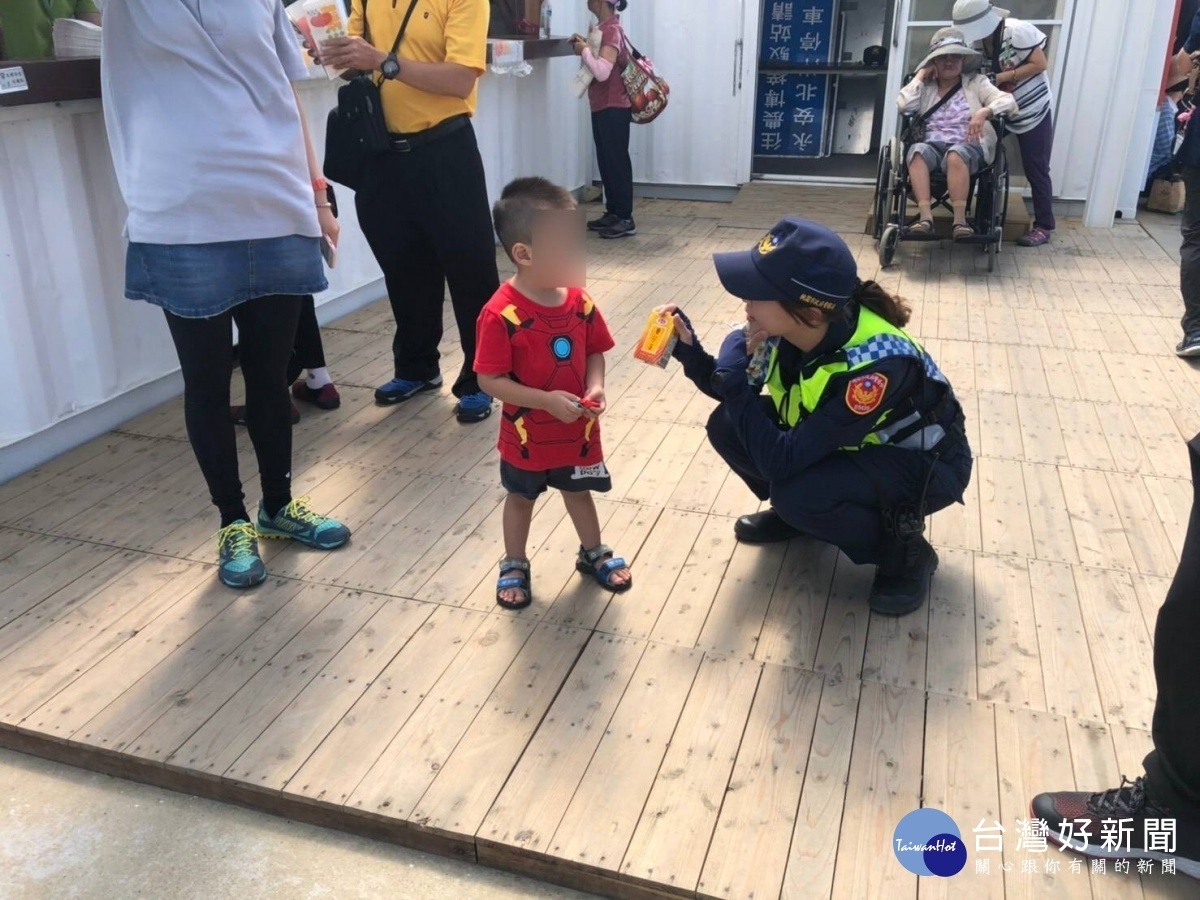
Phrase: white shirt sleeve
pixel 287 46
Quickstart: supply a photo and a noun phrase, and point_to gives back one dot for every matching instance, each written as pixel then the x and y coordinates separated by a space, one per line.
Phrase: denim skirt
pixel 197 281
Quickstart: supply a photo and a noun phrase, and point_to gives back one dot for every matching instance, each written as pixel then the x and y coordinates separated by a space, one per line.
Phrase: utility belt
pixel 927 431
pixel 406 143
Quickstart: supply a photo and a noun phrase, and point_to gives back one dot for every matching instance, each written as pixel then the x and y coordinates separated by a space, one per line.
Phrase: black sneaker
pixel 902 584
pixel 1189 347
pixel 766 527
pixel 608 220
pixel 1080 821
pixel 619 229
pixel 400 389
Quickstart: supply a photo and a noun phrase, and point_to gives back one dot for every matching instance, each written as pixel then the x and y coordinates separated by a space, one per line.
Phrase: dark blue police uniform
pixel 826 470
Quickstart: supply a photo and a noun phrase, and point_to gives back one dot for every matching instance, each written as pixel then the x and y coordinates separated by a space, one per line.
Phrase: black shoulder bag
pixel 355 130
pixel 915 133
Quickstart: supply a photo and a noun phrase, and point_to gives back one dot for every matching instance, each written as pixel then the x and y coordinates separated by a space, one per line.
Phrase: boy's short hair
pixel 519 204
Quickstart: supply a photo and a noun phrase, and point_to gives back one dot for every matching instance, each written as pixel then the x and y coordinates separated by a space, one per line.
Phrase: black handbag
pixel 355 130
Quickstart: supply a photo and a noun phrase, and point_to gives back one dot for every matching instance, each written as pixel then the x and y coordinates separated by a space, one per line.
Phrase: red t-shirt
pixel 545 348
pixel 611 93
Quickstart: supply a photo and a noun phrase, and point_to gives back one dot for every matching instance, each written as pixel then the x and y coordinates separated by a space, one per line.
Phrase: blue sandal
pixel 514 582
pixel 586 563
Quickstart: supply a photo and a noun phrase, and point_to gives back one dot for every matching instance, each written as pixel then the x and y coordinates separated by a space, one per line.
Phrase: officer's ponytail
pixel 894 310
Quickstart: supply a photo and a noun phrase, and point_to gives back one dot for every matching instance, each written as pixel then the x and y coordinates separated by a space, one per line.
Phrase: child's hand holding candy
pixel 593 403
pixel 563 405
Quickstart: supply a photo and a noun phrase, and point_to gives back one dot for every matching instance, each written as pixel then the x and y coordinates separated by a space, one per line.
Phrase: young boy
pixel 540 350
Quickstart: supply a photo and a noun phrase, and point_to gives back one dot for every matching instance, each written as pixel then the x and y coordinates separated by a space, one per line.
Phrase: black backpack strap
pixel 399 34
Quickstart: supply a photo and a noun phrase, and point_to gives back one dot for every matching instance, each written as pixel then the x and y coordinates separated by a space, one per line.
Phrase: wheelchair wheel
pixel 999 205
pixel 883 191
pixel 1000 184
pixel 888 242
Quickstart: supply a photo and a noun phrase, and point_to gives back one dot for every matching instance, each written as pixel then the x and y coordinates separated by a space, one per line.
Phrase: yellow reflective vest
pixel 873 340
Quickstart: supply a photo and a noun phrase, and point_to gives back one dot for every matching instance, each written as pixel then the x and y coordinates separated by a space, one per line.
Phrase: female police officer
pixel 860 435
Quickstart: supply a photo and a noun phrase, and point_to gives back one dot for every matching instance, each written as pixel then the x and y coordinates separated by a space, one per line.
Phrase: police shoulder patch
pixel 865 393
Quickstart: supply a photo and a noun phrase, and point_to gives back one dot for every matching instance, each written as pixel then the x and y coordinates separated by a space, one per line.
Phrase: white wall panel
pixel 697 140
pixel 76 344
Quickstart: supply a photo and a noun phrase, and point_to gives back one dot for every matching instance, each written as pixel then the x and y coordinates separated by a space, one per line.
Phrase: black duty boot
pixel 902 579
pixel 766 527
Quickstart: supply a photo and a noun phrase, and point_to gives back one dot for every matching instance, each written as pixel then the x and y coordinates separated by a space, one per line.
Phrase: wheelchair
pixel 987 198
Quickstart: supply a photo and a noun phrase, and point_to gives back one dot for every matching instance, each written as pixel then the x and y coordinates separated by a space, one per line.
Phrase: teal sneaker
pixel 299 523
pixel 239 565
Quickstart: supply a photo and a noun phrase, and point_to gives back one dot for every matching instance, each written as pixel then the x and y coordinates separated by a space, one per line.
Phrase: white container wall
pixel 88 359
pixel 703 137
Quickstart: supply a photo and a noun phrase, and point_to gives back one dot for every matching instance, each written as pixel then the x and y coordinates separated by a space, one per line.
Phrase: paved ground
pixel 67 833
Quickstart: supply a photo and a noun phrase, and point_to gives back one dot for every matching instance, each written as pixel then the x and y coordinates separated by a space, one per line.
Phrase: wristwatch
pixel 390 67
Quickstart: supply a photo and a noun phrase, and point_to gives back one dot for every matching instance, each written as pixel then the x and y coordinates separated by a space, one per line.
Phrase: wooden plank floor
pixel 738 725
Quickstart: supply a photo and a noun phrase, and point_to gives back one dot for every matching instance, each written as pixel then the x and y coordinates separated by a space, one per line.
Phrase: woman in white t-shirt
pixel 227 211
pixel 1014 53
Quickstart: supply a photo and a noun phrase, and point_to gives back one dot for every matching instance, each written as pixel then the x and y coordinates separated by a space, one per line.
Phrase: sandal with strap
pixel 921 226
pixel 586 563
pixel 962 230
pixel 514 583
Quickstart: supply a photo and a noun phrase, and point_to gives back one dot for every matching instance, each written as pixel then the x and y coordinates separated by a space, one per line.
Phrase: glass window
pixel 941 10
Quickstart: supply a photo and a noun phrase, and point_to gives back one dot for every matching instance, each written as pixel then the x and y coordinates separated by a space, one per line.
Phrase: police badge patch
pixel 865 393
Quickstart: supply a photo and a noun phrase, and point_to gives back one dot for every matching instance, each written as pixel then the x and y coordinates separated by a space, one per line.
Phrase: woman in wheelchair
pixel 952 110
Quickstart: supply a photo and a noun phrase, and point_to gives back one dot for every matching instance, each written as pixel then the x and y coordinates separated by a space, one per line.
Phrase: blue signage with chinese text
pixel 791 115
pixel 798 31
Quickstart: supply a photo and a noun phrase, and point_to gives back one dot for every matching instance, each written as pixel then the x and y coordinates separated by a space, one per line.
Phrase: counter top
pixel 59 80
pixel 54 81
pixel 536 48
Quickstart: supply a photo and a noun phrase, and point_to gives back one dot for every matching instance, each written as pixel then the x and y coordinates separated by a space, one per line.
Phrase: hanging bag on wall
pixel 648 91
pixel 355 130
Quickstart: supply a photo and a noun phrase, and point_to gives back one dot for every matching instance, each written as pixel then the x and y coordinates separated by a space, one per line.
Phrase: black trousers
pixel 1173 766
pixel 266 333
pixel 425 214
pixel 1189 252
pixel 309 351
pixel 836 500
pixel 610 130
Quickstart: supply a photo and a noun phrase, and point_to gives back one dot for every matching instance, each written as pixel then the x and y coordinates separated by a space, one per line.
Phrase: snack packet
pixel 657 341
pixel 326 20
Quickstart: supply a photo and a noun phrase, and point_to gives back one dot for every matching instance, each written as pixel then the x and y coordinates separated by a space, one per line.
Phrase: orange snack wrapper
pixel 657 341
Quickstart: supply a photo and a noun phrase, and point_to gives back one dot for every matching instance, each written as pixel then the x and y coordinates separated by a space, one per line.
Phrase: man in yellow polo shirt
pixel 28 25
pixel 423 207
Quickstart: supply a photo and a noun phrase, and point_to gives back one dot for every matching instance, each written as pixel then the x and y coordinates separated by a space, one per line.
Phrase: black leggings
pixel 266 335
pixel 309 352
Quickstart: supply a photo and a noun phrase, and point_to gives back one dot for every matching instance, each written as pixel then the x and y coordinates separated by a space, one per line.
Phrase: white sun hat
pixel 949 42
pixel 977 19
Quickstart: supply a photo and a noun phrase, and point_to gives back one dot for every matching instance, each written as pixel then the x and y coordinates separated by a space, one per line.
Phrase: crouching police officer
pixel 859 437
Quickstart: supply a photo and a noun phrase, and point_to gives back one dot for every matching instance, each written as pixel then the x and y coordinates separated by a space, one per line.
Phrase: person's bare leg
pixel 518 513
pixel 918 177
pixel 582 510
pixel 958 181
